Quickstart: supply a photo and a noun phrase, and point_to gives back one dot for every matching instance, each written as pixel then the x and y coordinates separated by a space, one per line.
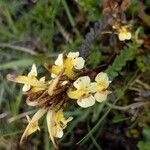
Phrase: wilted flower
pixel 50 98
pixel 56 122
pixel 69 63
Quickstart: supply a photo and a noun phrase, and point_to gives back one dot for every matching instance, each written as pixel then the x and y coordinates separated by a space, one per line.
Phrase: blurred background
pixel 36 31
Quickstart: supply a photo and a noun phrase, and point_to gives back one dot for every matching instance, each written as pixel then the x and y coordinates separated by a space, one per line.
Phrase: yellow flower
pixel 124 34
pixel 102 83
pixel 29 81
pixel 33 124
pixel 32 74
pixel 68 63
pixel 83 92
pixel 87 92
pixel 56 123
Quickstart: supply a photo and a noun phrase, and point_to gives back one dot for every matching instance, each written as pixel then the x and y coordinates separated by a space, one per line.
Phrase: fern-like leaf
pixel 127 54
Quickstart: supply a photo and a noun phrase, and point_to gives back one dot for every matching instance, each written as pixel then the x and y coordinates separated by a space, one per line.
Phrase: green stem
pixel 72 22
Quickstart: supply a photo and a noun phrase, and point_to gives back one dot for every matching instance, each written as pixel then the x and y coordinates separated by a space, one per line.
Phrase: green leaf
pixel 17 63
pixel 127 54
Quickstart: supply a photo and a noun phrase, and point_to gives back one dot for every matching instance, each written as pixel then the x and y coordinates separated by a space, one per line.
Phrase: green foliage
pixel 120 61
pixel 143 62
pixel 95 56
pixel 145 144
pixel 93 8
pixel 17 63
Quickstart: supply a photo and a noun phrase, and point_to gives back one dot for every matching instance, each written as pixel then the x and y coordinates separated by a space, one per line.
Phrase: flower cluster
pixel 123 33
pixel 86 92
pixel 51 96
pixel 69 63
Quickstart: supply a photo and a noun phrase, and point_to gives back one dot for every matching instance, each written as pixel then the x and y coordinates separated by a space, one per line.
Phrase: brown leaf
pixel 109 6
pixel 125 4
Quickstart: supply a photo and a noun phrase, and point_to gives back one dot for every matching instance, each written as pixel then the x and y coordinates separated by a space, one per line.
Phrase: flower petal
pixel 100 97
pixel 86 102
pixel 59 133
pixel 128 35
pixel 32 126
pixel 55 70
pixel 122 36
pixel 50 124
pixel 53 75
pixel 92 87
pixel 26 80
pixel 68 65
pixel 59 60
pixel 33 71
pixel 79 63
pixel 73 55
pixel 75 94
pixel 26 87
pixel 42 79
pixel 82 82
pixel 102 81
pixel 101 77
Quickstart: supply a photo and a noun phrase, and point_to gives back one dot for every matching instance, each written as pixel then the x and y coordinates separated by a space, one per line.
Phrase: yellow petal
pixel 100 97
pixel 77 94
pixel 79 63
pixel 82 82
pixel 33 124
pixel 36 127
pixel 122 36
pixel 36 89
pixel 102 81
pixel 59 60
pixel 26 87
pixel 50 124
pixel 86 102
pixel 73 55
pixel 68 65
pixel 42 79
pixel 56 69
pixel 92 87
pixel 33 71
pixel 128 36
pixel 26 80
pixel 59 133
pixel 65 121
pixel 101 77
pixel 53 75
